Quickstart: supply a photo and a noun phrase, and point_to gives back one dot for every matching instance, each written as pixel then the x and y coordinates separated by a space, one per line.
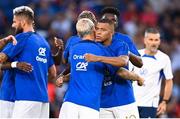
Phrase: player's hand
pixel 140 81
pixel 59 81
pixel 161 108
pixel 59 43
pixel 24 66
pixel 12 39
pixel 91 57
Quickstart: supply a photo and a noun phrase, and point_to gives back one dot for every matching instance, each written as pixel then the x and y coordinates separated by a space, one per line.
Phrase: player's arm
pixel 63 76
pixel 52 72
pixel 120 61
pixel 3 57
pixel 126 74
pixel 135 60
pixel 7 40
pixel 19 65
pixel 58 56
pixel 167 94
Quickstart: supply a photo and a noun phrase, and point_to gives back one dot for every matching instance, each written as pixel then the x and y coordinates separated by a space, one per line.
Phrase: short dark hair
pixel 24 11
pixel 111 10
pixel 151 30
pixel 106 21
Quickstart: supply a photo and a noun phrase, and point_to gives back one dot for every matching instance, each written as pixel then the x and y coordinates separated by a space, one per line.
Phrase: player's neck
pixel 28 28
pixel 107 42
pixel 89 37
pixel 148 52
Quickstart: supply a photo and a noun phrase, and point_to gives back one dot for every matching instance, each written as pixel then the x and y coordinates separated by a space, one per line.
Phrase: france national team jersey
pixel 128 41
pixel 33 49
pixel 70 42
pixel 154 67
pixel 7 89
pixel 86 77
pixel 117 91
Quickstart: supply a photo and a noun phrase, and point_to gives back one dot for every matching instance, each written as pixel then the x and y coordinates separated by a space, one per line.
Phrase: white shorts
pixel 73 111
pixel 129 111
pixel 6 109
pixel 30 109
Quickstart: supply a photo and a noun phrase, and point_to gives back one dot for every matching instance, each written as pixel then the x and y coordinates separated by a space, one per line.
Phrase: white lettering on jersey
pixel 44 60
pixel 75 57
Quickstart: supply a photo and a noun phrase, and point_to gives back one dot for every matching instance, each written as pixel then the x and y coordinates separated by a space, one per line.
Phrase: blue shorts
pixel 146 112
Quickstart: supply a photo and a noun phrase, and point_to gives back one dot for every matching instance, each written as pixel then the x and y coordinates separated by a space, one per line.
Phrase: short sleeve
pixel 67 48
pixel 167 70
pixel 132 47
pixel 13 50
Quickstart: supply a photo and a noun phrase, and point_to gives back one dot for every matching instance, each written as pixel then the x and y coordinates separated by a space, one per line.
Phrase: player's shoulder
pixel 74 38
pixel 141 51
pixel 123 37
pixel 23 35
pixel 162 55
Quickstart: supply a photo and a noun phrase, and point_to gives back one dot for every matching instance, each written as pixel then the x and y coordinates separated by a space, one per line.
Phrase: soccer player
pixel 31 88
pixel 75 39
pixel 117 99
pixel 112 13
pixel 156 64
pixel 7 89
pixel 82 99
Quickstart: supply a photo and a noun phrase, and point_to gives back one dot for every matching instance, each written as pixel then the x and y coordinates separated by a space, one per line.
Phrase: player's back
pixel 86 78
pixel 37 53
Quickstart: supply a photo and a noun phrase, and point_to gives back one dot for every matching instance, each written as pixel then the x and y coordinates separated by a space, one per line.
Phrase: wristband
pixel 14 64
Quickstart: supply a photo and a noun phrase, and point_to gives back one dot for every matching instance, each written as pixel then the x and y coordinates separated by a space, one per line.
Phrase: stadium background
pixel 58 18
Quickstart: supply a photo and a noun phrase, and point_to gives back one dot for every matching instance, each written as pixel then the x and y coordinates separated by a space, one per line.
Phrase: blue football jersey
pixel 125 38
pixel 70 42
pixel 86 77
pixel 33 49
pixel 116 91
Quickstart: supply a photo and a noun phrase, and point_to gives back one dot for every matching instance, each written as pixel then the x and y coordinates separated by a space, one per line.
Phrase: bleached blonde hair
pixel 24 11
pixel 84 26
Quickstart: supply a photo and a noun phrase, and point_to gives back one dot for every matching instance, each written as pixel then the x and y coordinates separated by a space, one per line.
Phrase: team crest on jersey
pixel 143 71
pixel 42 51
pixel 81 66
pixel 42 54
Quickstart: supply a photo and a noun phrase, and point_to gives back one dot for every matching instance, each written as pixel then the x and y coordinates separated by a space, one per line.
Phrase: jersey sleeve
pixel 13 50
pixel 67 48
pixel 132 47
pixel 167 70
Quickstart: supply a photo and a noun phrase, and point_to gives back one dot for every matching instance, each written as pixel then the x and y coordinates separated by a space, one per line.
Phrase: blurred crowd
pixel 58 18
